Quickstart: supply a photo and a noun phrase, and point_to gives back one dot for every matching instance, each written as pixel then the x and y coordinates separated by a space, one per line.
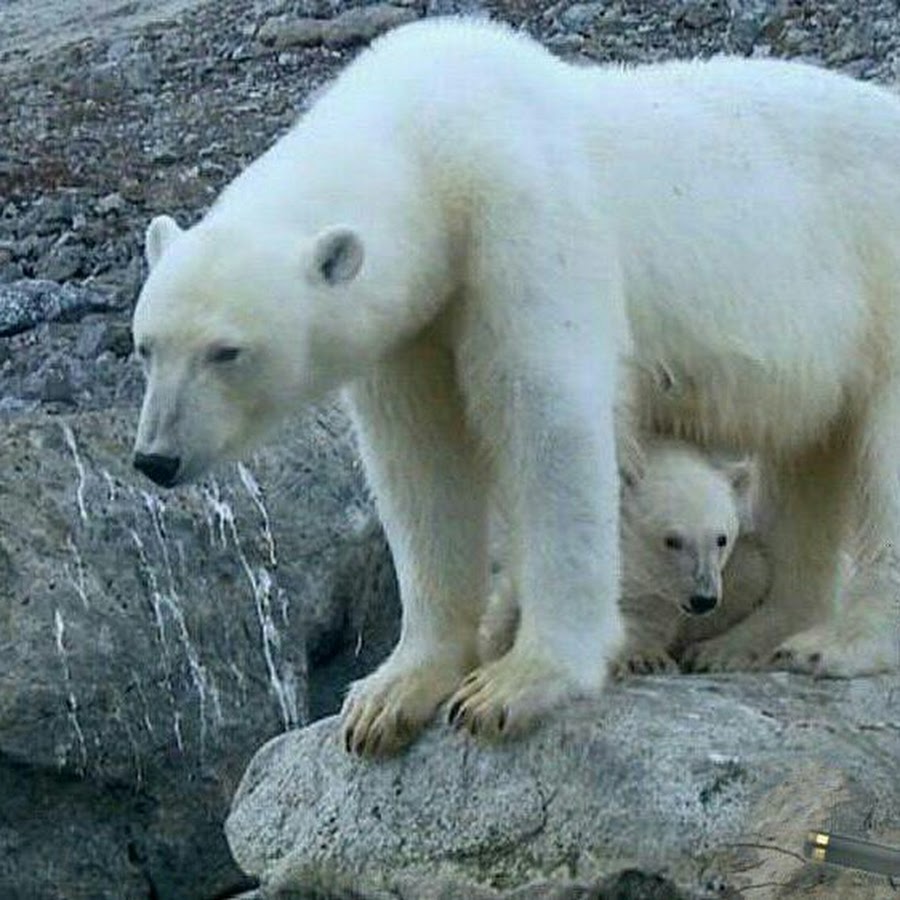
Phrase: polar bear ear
pixel 743 477
pixel 740 475
pixel 161 233
pixel 337 256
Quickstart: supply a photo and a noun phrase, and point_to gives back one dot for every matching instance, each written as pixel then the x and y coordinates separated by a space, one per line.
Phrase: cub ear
pixel 161 234
pixel 337 256
pixel 743 477
pixel 740 475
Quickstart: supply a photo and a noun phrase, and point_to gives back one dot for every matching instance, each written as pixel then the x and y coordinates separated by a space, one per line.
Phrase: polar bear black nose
pixel 161 469
pixel 702 604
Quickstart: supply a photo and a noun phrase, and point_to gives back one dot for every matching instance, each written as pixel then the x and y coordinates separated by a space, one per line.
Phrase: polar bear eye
pixel 722 540
pixel 223 354
pixel 674 542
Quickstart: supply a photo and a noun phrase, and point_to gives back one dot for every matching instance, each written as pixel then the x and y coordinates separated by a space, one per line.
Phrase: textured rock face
pixel 699 786
pixel 150 642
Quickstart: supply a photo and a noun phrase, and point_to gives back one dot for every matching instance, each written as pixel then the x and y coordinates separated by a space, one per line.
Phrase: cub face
pixel 680 521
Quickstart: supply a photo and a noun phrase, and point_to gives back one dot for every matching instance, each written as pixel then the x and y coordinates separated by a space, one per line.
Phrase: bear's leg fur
pixel 545 387
pixel 430 489
pixel 814 495
pixel 862 635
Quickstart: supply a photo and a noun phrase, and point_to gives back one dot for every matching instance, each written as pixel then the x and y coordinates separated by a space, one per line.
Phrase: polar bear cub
pixel 691 565
pixel 686 575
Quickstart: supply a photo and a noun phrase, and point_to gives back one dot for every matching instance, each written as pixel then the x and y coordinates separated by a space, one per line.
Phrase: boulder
pixel 152 641
pixel 665 787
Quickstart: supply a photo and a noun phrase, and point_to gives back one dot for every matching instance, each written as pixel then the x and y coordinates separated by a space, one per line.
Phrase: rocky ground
pixel 109 114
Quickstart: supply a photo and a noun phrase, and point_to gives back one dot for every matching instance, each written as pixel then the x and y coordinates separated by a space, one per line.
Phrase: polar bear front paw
pixel 508 695
pixel 643 661
pixel 386 710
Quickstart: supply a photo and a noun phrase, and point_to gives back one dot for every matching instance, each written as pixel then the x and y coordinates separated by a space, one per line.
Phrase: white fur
pixel 675 517
pixel 681 524
pixel 516 217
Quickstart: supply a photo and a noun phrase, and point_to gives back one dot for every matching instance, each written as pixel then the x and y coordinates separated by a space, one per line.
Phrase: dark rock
pixel 702 13
pixel 56 387
pixel 151 642
pixel 62 263
pixel 101 335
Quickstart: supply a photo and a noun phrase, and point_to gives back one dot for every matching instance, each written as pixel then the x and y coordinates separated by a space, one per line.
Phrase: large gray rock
pixel 149 643
pixel 666 787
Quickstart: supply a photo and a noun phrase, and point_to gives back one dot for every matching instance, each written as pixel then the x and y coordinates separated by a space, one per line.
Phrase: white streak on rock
pixel 282 678
pixel 110 486
pixel 77 581
pixel 171 601
pixel 71 701
pixel 256 495
pixel 79 466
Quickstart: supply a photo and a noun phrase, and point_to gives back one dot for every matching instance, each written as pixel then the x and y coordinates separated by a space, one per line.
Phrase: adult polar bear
pixel 472 277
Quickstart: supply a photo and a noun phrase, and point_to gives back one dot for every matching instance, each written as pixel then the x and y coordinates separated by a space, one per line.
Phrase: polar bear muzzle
pixel 163 470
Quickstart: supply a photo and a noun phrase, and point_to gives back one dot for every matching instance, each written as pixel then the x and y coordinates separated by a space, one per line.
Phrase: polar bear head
pixel 235 330
pixel 680 521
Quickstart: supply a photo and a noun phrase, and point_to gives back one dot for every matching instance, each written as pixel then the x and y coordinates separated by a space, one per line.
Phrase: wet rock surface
pixel 110 114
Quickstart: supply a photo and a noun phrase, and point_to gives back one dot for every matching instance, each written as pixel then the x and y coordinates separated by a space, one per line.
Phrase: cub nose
pixel 702 604
pixel 161 469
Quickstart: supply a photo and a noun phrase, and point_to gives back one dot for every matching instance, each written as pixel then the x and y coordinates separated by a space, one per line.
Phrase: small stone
pixel 701 14
pixel 100 83
pixel 363 24
pixel 111 203
pixel 62 263
pixel 284 31
pixel 743 32
pixel 57 388
pixel 138 71
pixel 566 45
pixel 164 155
pixel 581 16
pixel 101 336
pixel 353 26
pixel 131 189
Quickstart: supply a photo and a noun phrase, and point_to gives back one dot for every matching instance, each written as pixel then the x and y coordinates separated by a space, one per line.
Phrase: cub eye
pixel 674 542
pixel 223 354
pixel 143 352
pixel 722 540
